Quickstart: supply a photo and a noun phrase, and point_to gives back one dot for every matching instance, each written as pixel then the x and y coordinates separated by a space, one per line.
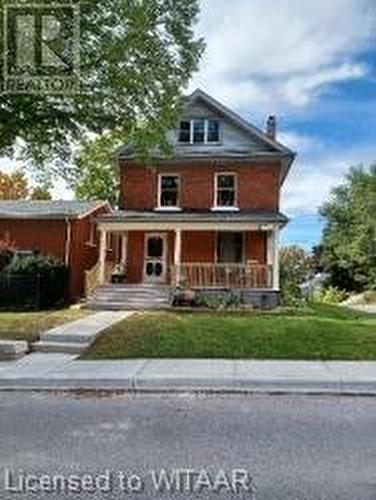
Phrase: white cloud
pixel 309 183
pixel 280 54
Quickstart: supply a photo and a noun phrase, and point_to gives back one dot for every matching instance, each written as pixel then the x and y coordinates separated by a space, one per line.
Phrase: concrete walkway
pixel 61 371
pixel 76 336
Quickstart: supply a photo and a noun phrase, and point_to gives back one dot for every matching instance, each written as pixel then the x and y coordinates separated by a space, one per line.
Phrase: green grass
pixel 318 332
pixel 29 325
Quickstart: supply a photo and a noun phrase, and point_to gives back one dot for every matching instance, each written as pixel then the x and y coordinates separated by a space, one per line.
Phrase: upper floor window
pixel 225 187
pixel 199 131
pixel 169 191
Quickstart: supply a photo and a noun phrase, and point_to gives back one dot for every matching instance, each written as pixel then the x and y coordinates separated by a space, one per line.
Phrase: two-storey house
pixel 209 217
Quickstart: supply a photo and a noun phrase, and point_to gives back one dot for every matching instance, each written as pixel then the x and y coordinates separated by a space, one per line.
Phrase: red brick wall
pixel 198 246
pixel 49 238
pixel 83 253
pixel 258 185
pixel 255 246
pixel 135 256
pixel 45 236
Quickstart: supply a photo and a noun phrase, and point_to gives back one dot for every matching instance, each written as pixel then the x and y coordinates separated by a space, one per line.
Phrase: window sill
pixel 167 209
pixel 220 143
pixel 225 209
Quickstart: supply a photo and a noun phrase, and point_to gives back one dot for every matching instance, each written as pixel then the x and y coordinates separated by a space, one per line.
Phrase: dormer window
pixel 199 131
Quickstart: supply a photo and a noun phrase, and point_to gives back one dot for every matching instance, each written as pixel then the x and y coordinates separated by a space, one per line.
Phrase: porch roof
pixel 193 218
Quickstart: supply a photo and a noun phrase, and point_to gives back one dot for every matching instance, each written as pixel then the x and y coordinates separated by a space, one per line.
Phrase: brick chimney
pixel 271 127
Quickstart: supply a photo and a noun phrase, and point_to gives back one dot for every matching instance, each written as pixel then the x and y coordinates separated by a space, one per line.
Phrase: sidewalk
pixel 64 372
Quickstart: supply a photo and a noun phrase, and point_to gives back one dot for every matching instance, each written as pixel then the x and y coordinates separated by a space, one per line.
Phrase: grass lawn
pixel 28 325
pixel 318 332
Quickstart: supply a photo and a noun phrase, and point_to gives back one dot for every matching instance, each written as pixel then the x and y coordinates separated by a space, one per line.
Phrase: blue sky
pixel 311 62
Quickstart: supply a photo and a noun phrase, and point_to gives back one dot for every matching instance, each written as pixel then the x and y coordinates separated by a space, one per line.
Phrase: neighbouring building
pixel 63 229
pixel 208 217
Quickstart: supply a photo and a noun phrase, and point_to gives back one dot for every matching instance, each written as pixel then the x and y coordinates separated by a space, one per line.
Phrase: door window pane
pixel 155 247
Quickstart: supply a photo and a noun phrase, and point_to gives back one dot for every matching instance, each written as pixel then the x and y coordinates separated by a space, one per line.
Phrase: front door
pixel 155 258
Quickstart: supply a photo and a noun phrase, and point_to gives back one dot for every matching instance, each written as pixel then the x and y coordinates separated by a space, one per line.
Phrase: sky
pixel 313 64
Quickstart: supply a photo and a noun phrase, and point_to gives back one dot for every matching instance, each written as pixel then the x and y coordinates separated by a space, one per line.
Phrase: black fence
pixel 32 291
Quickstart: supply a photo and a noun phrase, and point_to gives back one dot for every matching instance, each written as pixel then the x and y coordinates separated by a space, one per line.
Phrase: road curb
pixel 183 387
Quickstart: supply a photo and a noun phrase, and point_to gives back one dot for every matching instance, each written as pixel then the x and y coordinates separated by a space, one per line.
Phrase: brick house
pixel 63 229
pixel 208 217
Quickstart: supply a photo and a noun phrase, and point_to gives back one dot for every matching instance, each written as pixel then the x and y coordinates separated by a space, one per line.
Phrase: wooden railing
pixel 207 275
pixel 92 277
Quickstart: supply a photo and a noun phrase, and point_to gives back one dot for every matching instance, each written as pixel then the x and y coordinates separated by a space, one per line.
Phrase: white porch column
pixel 177 255
pixel 273 256
pixel 124 245
pixel 102 256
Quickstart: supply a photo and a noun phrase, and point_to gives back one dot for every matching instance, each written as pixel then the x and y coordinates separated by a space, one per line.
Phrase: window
pixel 225 195
pixel 213 130
pixel 92 240
pixel 230 248
pixel 199 131
pixel 169 191
pixel 185 132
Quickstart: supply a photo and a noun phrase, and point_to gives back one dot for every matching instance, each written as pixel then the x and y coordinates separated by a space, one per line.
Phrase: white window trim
pixel 161 208
pixel 206 132
pixel 91 242
pixel 233 208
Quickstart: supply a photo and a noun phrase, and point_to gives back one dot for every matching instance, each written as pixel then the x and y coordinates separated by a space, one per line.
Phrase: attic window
pixel 199 131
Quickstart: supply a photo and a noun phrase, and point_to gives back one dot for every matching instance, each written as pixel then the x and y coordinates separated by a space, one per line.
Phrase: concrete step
pixel 129 297
pixel 124 306
pixel 69 338
pixel 63 347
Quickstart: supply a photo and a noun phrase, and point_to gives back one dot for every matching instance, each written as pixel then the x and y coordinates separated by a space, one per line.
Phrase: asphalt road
pixel 292 447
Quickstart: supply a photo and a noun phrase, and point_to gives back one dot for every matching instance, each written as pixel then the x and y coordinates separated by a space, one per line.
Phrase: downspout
pixel 68 238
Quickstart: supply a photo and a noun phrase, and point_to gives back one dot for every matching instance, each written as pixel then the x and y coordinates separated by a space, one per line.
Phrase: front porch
pixel 228 254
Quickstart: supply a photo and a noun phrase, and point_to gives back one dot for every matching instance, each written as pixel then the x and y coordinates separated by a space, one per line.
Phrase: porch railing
pixel 207 275
pixel 92 277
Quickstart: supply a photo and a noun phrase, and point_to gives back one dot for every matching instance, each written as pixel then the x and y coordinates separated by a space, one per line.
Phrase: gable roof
pixel 49 209
pixel 238 120
pixel 270 149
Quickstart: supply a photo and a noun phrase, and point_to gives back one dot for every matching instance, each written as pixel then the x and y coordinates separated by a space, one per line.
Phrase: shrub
pixel 330 295
pixel 34 264
pixel 220 300
pixel 6 252
pixel 34 280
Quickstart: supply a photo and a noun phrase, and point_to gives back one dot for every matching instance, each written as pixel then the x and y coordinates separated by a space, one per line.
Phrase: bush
pixel 6 253
pixel 34 264
pixel 220 300
pixel 33 281
pixel 330 295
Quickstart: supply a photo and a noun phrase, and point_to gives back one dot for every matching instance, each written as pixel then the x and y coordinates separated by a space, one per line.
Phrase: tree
pixel 135 59
pixel 15 186
pixel 294 270
pixel 349 236
pixel 41 193
pixel 96 176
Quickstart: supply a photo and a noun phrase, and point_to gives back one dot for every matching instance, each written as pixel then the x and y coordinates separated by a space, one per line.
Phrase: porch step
pixel 63 347
pixel 129 297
